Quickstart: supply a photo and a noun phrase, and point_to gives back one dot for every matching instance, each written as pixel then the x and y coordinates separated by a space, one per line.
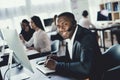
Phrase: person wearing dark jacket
pixel 26 31
pixel 82 58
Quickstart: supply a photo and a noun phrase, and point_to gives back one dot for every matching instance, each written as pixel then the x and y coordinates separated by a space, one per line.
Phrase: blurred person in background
pixel 40 39
pixel 26 31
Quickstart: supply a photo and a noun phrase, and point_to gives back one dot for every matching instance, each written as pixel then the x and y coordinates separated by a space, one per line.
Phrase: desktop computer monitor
pixel 48 22
pixel 12 38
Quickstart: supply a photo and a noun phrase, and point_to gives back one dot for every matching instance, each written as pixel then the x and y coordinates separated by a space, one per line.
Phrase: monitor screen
pixel 12 38
pixel 48 22
pixel 103 17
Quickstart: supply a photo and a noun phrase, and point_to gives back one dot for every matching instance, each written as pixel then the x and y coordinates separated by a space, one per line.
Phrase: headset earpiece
pixel 73 22
pixel 73 25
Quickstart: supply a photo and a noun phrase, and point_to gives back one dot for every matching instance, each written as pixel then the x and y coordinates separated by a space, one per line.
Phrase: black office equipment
pixel 48 21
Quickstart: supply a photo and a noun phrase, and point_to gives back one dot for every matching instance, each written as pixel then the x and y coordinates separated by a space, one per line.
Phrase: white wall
pixel 11 14
pixel 28 10
pixel 92 6
pixel 78 6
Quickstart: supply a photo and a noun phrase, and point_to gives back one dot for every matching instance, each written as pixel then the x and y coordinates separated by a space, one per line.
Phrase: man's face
pixel 63 27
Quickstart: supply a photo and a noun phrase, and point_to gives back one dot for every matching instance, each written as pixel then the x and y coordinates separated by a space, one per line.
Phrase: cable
pixel 8 70
pixel 5 74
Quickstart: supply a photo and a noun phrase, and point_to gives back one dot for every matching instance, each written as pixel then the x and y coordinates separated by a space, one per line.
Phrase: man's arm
pixel 85 51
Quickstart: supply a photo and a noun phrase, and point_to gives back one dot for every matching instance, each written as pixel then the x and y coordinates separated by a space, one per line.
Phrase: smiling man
pixel 82 50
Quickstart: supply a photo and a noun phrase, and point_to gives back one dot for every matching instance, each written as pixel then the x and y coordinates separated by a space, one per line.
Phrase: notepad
pixel 44 69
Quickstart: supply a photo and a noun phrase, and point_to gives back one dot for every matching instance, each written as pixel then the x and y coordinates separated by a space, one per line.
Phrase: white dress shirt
pixel 70 43
pixel 40 40
pixel 85 22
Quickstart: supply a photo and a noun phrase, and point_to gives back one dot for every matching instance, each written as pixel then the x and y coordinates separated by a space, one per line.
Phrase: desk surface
pixel 38 75
pixel 32 54
pixel 107 27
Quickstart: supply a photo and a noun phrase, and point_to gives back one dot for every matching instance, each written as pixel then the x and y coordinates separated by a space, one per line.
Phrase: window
pixel 11 3
pixel 44 2
pixel 13 11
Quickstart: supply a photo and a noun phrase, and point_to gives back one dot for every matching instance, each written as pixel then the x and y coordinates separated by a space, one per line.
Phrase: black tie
pixel 67 52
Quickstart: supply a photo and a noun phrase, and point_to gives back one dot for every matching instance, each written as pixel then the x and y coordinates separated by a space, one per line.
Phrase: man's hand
pixel 50 63
pixel 52 56
pixel 22 38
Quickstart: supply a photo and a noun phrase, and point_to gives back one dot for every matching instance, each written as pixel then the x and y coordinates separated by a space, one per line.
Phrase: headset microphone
pixel 73 25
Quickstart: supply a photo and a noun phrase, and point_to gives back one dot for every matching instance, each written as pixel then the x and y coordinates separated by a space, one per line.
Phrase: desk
pixel 102 36
pixel 38 75
pixel 102 31
pixel 32 54
pixel 34 57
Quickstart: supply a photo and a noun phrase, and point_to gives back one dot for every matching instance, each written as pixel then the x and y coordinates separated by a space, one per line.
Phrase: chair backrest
pixel 55 46
pixel 111 57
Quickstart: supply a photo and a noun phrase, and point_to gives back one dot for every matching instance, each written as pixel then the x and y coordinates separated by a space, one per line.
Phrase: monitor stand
pixel 2 45
pixel 21 75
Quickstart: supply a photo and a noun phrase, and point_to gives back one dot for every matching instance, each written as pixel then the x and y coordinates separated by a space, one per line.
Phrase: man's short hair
pixel 69 16
pixel 85 13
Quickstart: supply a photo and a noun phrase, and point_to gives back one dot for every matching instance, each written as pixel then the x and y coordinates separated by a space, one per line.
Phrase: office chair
pixel 55 46
pixel 111 63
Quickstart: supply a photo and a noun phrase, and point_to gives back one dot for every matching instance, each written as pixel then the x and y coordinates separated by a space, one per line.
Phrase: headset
pixel 72 26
